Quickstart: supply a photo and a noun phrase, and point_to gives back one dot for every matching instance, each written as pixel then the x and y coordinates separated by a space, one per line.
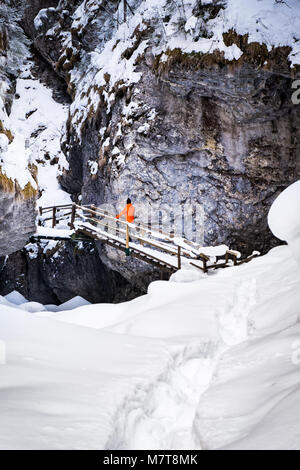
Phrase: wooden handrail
pixel 95 211
pixel 99 212
pixel 97 216
pixel 144 240
pixel 112 217
pixel 48 209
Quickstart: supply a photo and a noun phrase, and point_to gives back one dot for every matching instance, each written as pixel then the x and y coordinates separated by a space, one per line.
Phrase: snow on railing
pixel 104 226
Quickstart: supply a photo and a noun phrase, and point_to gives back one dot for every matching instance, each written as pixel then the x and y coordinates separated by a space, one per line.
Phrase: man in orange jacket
pixel 128 211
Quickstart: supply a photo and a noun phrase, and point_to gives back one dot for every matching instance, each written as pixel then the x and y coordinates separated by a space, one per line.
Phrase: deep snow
pixel 284 218
pixel 204 364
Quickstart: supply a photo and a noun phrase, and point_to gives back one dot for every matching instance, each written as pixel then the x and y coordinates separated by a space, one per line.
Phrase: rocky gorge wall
pixel 53 273
pixel 228 145
pixel 17 196
pixel 169 127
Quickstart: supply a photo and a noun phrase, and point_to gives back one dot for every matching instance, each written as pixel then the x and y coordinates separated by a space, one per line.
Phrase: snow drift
pixel 284 218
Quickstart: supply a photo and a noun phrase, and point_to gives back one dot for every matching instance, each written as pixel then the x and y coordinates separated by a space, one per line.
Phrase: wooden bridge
pixel 164 251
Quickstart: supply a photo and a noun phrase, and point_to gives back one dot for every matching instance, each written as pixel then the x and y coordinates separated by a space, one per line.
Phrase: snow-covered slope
pixel 14 168
pixel 40 120
pixel 14 157
pixel 30 133
pixel 205 364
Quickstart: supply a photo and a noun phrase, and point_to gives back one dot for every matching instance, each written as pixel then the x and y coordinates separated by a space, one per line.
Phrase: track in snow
pixel 161 415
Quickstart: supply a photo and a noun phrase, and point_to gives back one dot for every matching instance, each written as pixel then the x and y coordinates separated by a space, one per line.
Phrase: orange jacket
pixel 129 212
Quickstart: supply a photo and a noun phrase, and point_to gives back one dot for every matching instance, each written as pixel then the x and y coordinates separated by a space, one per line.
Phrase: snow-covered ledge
pixel 284 218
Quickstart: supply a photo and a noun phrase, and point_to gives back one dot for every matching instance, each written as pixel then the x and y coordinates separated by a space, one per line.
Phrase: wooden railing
pixel 108 223
pixel 94 217
pixel 56 213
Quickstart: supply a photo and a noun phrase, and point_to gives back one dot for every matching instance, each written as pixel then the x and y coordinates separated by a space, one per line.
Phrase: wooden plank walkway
pixel 158 248
pixel 135 252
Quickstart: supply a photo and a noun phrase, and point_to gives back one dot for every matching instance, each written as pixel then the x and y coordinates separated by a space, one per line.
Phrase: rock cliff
pixel 52 273
pixel 18 185
pixel 177 104
pixel 177 128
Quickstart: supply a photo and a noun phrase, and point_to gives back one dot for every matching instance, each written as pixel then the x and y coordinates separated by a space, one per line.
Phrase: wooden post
pixel 179 257
pixel 73 216
pixel 172 225
pixel 142 234
pixel 54 217
pixel 93 214
pixel 205 270
pixel 127 241
pixel 234 256
pixel 160 222
pixel 106 228
pixel 40 216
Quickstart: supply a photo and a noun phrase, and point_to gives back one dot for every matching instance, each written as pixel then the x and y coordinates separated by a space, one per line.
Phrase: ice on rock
pixel 284 218
pixel 76 302
pixel 4 301
pixel 15 298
